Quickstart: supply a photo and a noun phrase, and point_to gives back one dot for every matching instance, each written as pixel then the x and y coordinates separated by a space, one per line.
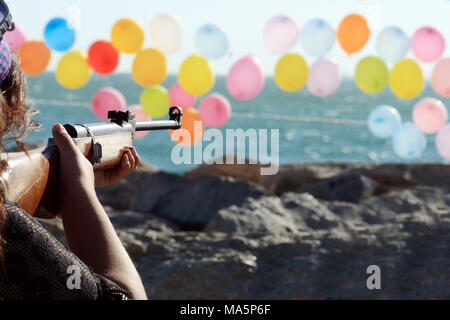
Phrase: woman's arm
pixel 89 231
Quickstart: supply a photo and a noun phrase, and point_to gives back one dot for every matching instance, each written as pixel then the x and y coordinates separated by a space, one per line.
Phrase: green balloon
pixel 155 101
pixel 372 75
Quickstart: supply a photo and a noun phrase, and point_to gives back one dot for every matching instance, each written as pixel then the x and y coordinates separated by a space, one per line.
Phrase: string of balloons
pixel 245 79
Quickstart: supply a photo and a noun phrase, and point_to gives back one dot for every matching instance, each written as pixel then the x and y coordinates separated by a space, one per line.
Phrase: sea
pixel 311 129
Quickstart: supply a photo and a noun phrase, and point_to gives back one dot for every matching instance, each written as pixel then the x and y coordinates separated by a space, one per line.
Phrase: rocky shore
pixel 310 232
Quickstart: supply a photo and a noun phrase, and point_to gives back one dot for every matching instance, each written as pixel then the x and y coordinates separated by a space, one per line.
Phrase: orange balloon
pixel 34 57
pixel 353 33
pixel 192 128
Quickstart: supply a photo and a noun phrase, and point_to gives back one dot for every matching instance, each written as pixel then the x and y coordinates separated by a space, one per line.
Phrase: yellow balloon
pixel 73 71
pixel 127 36
pixel 196 75
pixel 155 101
pixel 149 68
pixel 406 79
pixel 372 75
pixel 291 72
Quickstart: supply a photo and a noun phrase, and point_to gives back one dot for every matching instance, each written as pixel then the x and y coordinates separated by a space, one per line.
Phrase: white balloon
pixel 212 41
pixel 393 44
pixel 317 37
pixel 166 33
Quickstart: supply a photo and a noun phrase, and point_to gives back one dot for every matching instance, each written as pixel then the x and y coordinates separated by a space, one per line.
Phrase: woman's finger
pixel 137 158
pixel 130 158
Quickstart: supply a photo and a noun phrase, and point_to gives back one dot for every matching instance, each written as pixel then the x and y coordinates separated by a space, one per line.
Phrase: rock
pixel 122 195
pixel 348 188
pixel 191 203
pixel 279 242
pixel 245 172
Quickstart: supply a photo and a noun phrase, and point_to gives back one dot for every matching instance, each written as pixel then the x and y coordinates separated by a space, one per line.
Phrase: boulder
pixel 191 203
pixel 347 188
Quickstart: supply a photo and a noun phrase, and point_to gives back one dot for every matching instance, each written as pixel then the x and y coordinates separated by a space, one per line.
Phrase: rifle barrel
pixel 157 125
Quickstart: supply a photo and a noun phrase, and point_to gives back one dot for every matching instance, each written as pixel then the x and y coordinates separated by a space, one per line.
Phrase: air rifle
pixel 32 180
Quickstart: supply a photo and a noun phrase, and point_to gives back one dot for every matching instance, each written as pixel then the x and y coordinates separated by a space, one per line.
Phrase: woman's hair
pixel 15 121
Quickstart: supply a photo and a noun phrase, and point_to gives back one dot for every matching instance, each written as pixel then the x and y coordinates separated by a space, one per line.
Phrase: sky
pixel 243 21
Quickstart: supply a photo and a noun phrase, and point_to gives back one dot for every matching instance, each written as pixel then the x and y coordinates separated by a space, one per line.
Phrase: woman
pixel 33 264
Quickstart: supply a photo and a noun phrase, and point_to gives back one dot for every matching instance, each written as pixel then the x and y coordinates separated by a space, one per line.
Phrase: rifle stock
pixel 32 181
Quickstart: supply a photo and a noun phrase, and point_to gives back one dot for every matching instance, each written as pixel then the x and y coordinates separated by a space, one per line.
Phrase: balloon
pixel 406 79
pixel 212 42
pixel 215 110
pixel 384 121
pixel 409 142
pixel 127 36
pixel 291 72
pixel 155 101
pixel 392 44
pixel 281 34
pixel 443 142
pixel 196 75
pixel 440 78
pixel 324 78
pixel 372 75
pixel 16 38
pixel 149 67
pixel 59 36
pixel 73 70
pixel 317 37
pixel 107 99
pixel 430 115
pixel 141 116
pixel 34 57
pixel 166 33
pixel 192 128
pixel 353 33
pixel 180 98
pixel 246 79
pixel 103 57
pixel 428 44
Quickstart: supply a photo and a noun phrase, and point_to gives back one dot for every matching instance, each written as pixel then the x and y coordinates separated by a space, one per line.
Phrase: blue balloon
pixel 318 37
pixel 393 44
pixel 384 121
pixel 212 42
pixel 58 35
pixel 409 142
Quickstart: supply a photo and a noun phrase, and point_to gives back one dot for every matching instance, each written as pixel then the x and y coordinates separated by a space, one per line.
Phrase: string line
pixel 59 103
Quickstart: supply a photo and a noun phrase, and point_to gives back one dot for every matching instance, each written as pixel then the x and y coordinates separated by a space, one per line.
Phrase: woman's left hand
pixel 130 161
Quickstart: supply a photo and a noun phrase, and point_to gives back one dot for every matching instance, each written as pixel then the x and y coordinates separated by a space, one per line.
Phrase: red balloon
pixel 103 57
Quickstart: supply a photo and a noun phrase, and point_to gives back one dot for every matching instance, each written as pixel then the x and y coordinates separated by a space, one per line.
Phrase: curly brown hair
pixel 15 121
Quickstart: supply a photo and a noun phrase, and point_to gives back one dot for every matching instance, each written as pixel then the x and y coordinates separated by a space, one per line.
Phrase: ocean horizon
pixel 312 129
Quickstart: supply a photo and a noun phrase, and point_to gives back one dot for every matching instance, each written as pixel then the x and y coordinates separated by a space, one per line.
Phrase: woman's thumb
pixel 63 140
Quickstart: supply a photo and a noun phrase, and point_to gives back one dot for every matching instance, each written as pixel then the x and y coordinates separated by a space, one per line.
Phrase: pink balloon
pixel 324 78
pixel 281 34
pixel 215 110
pixel 246 79
pixel 428 44
pixel 443 142
pixel 16 38
pixel 440 79
pixel 107 99
pixel 430 115
pixel 180 98
pixel 141 116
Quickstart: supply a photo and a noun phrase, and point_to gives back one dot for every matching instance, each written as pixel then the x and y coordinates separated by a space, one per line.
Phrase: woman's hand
pixel 130 161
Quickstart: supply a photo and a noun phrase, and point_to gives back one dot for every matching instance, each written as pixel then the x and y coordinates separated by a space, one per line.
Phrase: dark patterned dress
pixel 36 266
